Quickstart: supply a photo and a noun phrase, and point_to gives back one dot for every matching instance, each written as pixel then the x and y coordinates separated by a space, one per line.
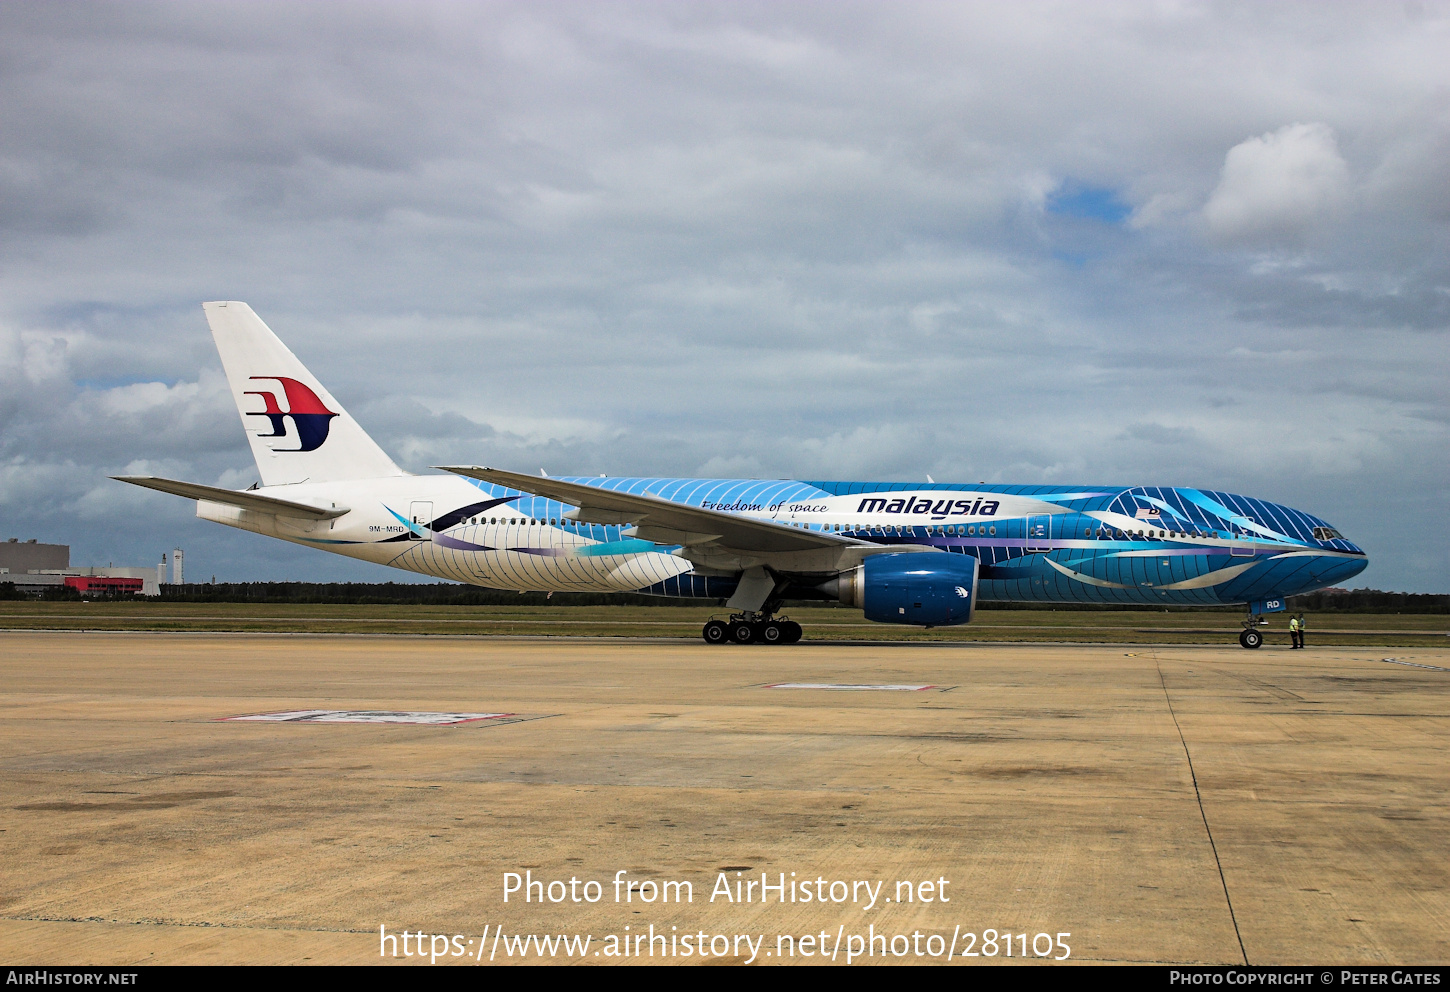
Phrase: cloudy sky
pixel 1152 243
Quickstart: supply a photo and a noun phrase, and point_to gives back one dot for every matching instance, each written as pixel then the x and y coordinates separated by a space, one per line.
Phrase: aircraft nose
pixel 1335 569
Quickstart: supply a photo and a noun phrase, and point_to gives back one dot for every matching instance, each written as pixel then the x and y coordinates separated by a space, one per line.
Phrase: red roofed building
pixel 103 585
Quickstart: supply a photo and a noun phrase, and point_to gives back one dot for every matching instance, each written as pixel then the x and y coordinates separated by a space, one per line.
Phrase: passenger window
pixel 993 531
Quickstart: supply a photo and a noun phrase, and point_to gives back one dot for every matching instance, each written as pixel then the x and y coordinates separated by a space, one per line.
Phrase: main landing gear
pixel 751 628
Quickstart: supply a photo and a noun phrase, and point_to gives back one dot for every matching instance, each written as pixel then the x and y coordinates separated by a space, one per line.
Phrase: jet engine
pixel 930 589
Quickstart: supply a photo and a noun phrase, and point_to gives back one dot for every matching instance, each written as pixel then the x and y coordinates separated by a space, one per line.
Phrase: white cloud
pixel 1277 186
pixel 755 238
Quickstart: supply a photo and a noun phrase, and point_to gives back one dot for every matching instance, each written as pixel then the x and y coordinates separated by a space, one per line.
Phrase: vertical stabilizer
pixel 298 431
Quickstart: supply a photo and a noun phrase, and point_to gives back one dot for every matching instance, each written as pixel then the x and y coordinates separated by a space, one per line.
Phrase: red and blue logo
pixel 311 419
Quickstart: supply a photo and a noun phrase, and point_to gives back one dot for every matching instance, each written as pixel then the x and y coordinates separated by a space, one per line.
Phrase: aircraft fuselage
pixel 1051 544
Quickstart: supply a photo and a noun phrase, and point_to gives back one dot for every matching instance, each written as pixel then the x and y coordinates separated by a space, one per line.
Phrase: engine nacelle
pixel 930 589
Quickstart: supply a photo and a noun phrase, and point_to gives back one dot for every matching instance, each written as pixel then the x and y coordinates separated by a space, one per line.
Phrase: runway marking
pixel 366 716
pixel 846 687
pixel 1433 668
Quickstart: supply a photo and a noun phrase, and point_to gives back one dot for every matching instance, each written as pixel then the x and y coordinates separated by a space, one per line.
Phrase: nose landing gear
pixel 1251 638
pixel 751 628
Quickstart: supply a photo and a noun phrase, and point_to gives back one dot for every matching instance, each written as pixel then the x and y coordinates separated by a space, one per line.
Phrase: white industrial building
pixel 36 567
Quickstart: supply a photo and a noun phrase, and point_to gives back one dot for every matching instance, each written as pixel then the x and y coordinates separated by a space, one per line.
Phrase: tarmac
pixel 1170 804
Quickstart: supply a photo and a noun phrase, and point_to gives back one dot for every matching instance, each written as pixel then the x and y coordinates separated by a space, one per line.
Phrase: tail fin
pixel 299 433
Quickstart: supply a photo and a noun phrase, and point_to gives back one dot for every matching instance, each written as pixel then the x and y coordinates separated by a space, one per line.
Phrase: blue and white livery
pixel 901 552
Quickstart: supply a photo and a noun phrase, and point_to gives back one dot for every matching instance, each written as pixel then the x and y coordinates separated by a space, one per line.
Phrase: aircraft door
pixel 420 516
pixel 1039 532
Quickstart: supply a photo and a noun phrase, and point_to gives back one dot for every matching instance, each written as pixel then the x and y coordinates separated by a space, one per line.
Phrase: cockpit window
pixel 1327 534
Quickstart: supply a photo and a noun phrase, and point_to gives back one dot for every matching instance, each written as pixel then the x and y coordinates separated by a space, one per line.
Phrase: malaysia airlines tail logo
pixel 311 418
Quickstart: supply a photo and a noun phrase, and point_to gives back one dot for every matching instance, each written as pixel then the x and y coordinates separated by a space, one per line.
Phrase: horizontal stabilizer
pixel 247 500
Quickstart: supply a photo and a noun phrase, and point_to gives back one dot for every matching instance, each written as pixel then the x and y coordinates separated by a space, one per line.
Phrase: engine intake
pixel 929 589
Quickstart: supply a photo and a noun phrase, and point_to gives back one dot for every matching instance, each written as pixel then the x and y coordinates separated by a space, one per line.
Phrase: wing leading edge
pixel 660 520
pixel 711 539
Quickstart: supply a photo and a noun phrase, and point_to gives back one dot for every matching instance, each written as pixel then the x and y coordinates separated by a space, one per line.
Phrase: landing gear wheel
pixel 1251 639
pixel 742 633
pixel 772 632
pixel 715 632
pixel 790 631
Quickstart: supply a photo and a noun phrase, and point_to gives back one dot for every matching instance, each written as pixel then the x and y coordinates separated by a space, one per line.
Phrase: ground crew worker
pixel 1301 630
pixel 1293 632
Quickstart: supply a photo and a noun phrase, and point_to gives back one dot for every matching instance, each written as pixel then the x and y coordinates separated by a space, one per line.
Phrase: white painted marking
pixel 1433 668
pixel 846 687
pixel 366 716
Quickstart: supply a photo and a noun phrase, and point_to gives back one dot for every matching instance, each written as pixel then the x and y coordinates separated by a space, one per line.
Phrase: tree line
pixel 456 594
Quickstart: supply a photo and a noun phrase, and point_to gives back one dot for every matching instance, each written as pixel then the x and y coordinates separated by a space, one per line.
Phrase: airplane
pixel 901 552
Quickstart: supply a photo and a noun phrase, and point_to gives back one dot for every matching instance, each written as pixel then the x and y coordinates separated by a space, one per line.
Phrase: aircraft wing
pixel 246 500
pixel 664 521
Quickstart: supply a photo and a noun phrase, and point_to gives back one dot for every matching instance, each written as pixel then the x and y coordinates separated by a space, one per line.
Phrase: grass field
pixel 821 624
